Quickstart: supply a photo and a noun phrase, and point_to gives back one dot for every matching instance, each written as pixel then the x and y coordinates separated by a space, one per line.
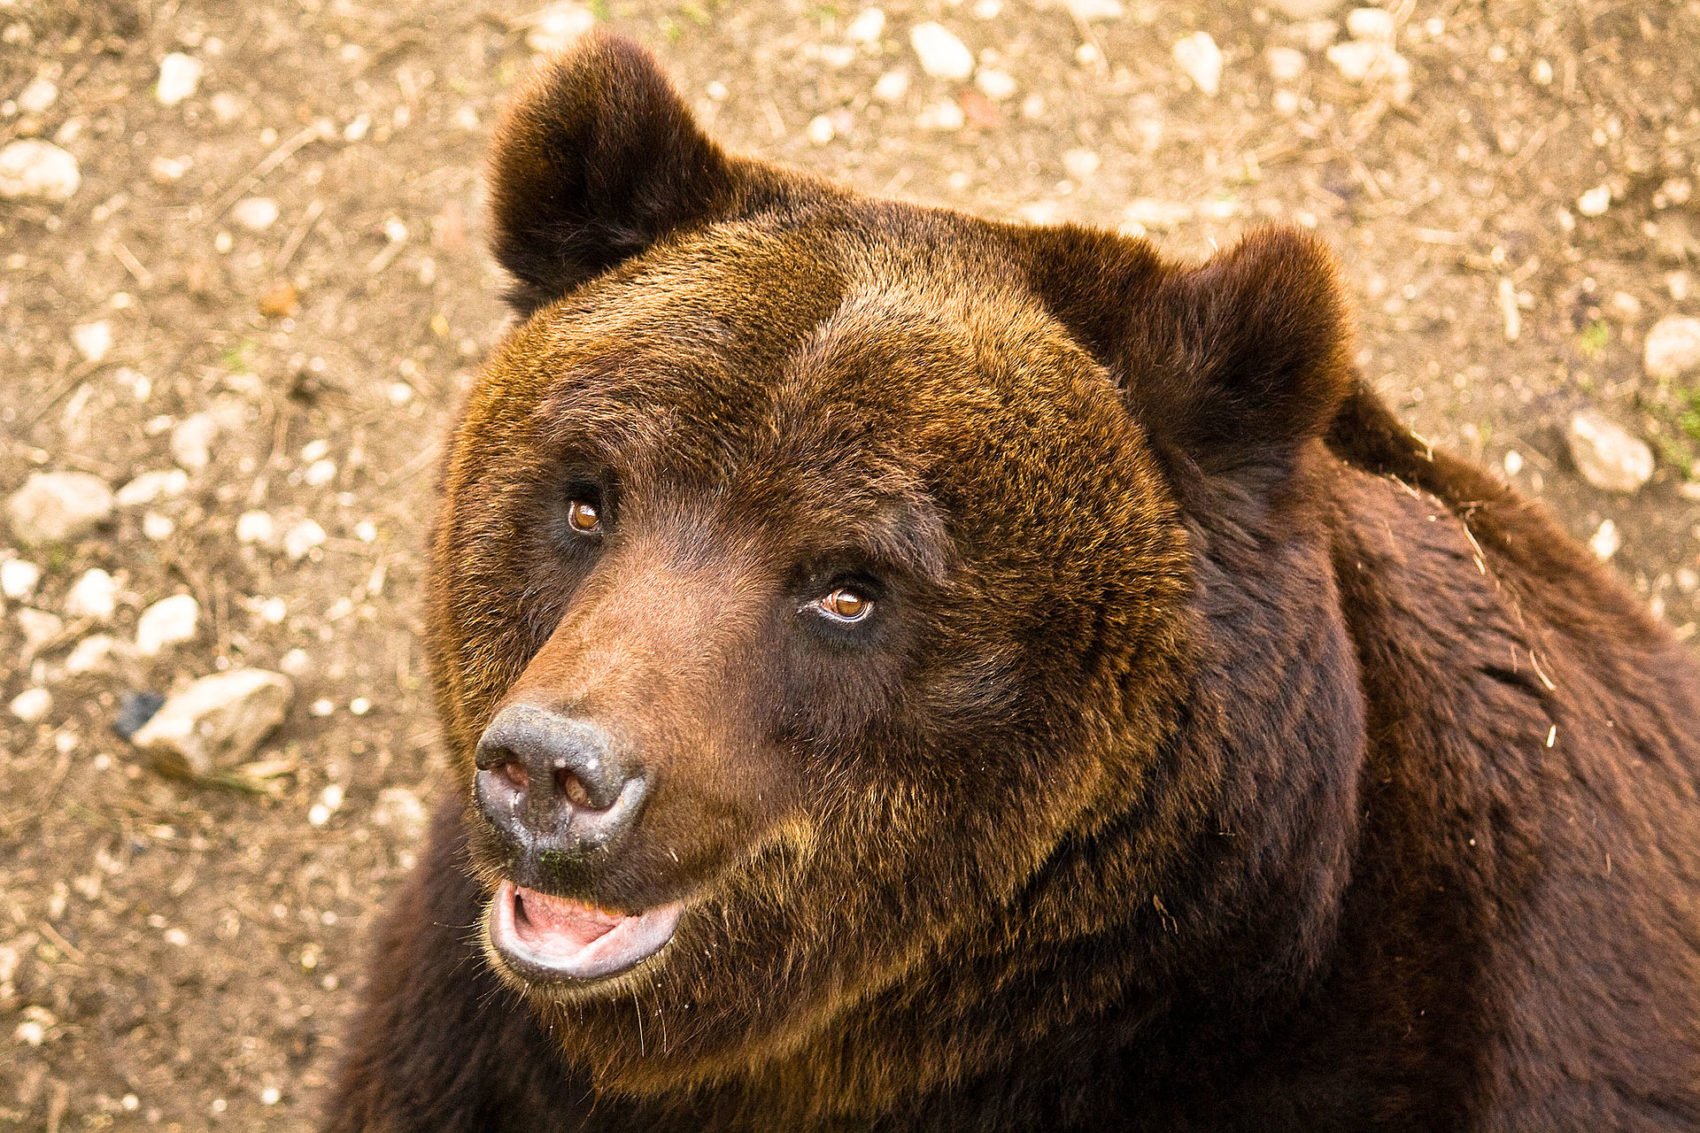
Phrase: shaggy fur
pixel 1217 756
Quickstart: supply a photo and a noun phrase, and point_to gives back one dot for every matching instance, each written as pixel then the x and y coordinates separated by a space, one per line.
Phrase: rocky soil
pixel 243 287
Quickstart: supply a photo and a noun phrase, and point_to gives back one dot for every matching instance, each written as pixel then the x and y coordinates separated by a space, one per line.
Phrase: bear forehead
pixel 854 346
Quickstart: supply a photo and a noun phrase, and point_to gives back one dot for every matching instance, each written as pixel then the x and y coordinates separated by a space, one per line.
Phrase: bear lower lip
pixel 546 938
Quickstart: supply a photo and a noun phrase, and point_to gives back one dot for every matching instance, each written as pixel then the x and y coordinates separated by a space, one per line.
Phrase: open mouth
pixel 554 938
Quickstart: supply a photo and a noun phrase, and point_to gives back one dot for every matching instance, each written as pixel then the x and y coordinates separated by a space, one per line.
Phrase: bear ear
pixel 1231 365
pixel 595 160
pixel 1239 361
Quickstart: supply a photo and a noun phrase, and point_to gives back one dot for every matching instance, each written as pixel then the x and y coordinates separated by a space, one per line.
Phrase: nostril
pixel 516 774
pixel 573 787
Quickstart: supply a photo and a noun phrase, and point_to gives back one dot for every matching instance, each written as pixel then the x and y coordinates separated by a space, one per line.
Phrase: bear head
pixel 824 587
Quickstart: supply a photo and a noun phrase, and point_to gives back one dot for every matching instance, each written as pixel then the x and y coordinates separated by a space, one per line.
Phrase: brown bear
pixel 910 672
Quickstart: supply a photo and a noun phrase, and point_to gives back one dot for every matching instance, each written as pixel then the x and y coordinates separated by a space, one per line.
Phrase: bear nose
pixel 554 784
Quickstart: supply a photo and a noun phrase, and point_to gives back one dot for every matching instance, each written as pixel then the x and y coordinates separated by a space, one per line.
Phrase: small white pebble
pixel 942 115
pixel 995 84
pixel 256 214
pixel 1513 462
pixel 33 169
pixel 1080 163
pixel 322 707
pixel 558 26
pixel 90 654
pixel 1595 201
pixel 319 473
pixel 157 527
pixel 94 595
pixel 360 705
pixel 1370 24
pixel 1606 540
pixel 1286 64
pixel 32 705
pixel 168 170
pixel 942 54
pixel 821 130
pixel 297 664
pixel 255 527
pixel 18 578
pixel 302 538
pixel 271 1095
pixel 39 96
pixel 149 487
pixel 192 439
pixel 169 621
pixel 92 340
pixel 179 78
pixel 1201 61
pixel 867 27
pixel 366 531
pixel 892 86
pixel 176 937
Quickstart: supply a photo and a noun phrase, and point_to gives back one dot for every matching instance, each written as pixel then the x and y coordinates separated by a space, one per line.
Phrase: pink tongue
pixel 557 925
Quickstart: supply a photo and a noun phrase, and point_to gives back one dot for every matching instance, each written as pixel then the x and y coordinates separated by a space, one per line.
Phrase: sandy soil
pixel 181 955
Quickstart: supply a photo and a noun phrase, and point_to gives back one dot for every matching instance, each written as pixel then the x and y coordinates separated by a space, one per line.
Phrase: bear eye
pixel 845 604
pixel 584 517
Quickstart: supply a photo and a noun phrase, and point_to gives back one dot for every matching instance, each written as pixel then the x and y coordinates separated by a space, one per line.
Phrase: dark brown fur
pixel 1221 757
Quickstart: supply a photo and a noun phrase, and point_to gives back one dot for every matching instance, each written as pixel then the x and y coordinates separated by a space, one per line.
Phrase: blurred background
pixel 242 286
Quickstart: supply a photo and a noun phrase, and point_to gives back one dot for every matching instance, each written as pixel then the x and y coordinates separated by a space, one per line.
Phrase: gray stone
pixel 1608 455
pixel 53 507
pixel 217 721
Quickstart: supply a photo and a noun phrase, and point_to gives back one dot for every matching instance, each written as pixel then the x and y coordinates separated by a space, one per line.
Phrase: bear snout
pixel 553 785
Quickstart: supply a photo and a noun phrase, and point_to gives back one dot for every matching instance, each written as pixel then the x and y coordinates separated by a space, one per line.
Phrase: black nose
pixel 552 784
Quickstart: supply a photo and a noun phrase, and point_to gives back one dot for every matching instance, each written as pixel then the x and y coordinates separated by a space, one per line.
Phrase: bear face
pixel 816 581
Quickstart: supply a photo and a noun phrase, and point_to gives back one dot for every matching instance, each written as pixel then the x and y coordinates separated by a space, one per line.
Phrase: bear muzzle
pixel 560 794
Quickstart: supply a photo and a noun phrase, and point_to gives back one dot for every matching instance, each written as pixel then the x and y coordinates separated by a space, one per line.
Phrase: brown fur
pixel 1218 758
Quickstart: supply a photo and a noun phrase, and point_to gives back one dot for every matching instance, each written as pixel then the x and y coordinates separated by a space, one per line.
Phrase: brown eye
pixel 846 605
pixel 584 517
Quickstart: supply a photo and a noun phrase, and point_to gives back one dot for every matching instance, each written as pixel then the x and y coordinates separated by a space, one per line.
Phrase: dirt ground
pixel 182 955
